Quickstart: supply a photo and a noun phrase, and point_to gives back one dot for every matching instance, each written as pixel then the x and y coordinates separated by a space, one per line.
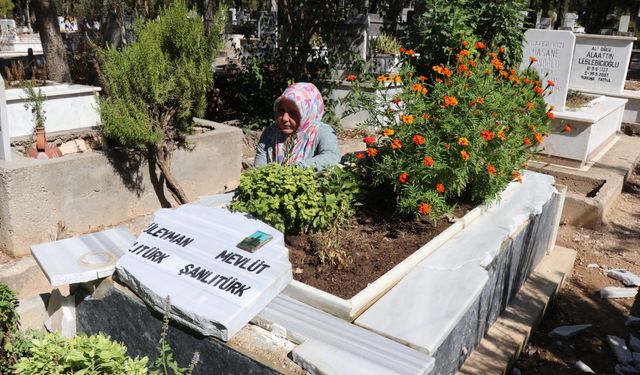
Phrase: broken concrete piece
pixel 627 277
pixel 565 332
pixel 632 321
pixel 619 348
pixel 592 265
pixel 62 314
pixel 634 343
pixel 584 368
pixel 616 292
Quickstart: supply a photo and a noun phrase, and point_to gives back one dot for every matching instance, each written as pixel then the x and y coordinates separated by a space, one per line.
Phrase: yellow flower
pixel 462 141
pixel 388 132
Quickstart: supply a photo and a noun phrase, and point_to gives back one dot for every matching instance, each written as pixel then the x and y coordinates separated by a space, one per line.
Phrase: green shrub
pixel 96 354
pixel 462 130
pixel 443 23
pixel 296 200
pixel 9 320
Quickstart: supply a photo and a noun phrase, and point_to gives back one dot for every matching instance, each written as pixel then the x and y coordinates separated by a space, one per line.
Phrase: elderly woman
pixel 298 137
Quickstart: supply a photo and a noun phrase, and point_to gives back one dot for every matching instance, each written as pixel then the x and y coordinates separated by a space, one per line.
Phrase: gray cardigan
pixel 325 147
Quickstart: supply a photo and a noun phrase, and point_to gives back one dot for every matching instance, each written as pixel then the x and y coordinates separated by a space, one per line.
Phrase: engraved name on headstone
pixel 191 256
pixel 600 63
pixel 553 51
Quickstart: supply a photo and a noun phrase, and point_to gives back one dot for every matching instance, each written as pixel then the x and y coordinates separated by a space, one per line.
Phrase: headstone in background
pixel 554 51
pixel 600 63
pixel 623 25
pixel 5 145
pixel 190 255
pixel 570 20
pixel 544 23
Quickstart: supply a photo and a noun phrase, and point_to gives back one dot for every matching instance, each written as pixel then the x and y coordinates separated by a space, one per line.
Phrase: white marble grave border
pixel 5 145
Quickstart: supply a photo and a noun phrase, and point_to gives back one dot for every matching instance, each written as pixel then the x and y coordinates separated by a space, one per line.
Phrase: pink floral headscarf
pixel 299 146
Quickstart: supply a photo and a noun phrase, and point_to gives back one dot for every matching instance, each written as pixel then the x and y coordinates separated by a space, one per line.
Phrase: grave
pixel 191 256
pixel 593 127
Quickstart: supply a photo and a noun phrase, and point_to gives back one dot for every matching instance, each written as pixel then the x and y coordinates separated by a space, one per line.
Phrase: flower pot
pixel 41 139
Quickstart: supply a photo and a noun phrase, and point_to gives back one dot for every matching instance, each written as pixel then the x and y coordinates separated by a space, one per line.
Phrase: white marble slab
pixel 554 51
pixel 600 63
pixel 329 343
pixel 428 303
pixel 83 258
pixel 190 256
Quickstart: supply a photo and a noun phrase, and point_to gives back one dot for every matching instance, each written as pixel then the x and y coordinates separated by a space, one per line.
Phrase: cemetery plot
pixel 190 255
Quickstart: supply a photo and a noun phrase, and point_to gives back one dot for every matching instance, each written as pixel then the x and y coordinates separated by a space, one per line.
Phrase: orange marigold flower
pixel 550 83
pixel 497 64
pixel 491 169
pixel 368 140
pixel 529 105
pixel 464 154
pixel 427 160
pixel 396 144
pixel 395 100
pixel 424 208
pixel 462 141
pixel 360 155
pixel 532 59
pixel 526 81
pixel 388 132
pixel 486 134
pixel 352 77
pixel 372 151
pixel 437 68
pixel 463 68
pixel 397 79
pixel 418 139
pixel 408 119
pixel 465 43
pixel 410 52
pixel 567 128
pixel 447 72
pixel 438 80
pixel 480 45
pixel 504 74
pixel 403 177
pixel 480 100
pixel 402 49
pixel 382 78
pixel 450 101
pixel 538 90
pixel 426 116
pixel 473 63
pixel 422 78
pixel 502 136
pixel 526 141
pixel 419 88
pixel 516 174
pixel 538 137
pixel 551 115
pixel 465 52
pixel 440 188
pixel 500 49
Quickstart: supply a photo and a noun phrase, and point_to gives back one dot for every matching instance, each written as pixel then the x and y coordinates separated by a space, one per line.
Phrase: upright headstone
pixel 623 25
pixel 553 51
pixel 544 24
pixel 191 256
pixel 570 20
pixel 600 63
pixel 5 145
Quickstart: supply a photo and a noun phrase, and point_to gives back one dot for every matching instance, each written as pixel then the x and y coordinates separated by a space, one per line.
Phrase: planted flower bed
pixel 457 134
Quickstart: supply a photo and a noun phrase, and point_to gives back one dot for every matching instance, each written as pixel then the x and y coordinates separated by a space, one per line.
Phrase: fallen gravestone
pixel 191 256
pixel 627 277
pixel 616 292
pixel 565 332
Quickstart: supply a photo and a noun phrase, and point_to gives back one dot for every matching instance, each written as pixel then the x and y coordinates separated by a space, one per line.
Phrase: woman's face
pixel 287 116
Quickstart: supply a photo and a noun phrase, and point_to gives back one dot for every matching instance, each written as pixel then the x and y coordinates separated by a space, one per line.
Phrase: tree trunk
pixel 164 154
pixel 52 44
pixel 206 9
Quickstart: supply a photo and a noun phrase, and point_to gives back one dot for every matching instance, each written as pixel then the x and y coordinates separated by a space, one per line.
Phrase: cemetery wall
pixel 41 200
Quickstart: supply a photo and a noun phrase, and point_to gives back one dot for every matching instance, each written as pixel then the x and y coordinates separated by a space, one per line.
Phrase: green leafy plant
pixel 34 103
pixel 462 130
pixel 384 43
pixel 156 86
pixel 9 320
pixel 165 364
pixel 96 355
pixel 439 24
pixel 296 200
